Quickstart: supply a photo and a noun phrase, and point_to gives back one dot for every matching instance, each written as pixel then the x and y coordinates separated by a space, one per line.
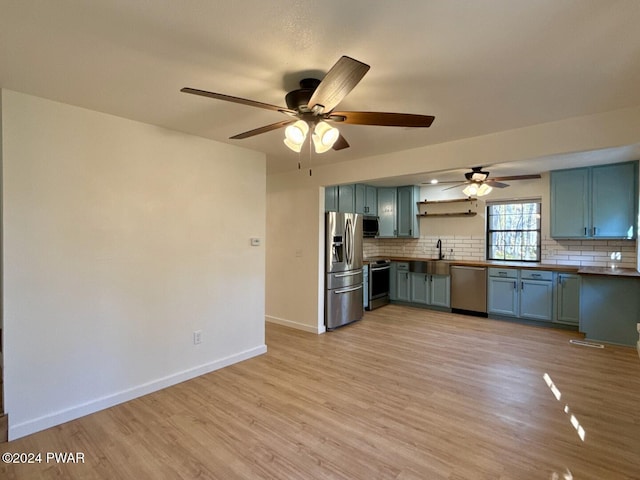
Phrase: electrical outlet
pixel 197 337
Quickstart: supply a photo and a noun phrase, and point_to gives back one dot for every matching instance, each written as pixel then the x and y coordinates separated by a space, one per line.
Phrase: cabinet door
pixel 371 200
pixel 440 288
pixel 536 300
pixel 503 296
pixel 570 200
pixel 365 286
pixel 331 199
pixel 360 198
pixel 407 209
pixel 419 285
pixel 613 193
pixel 346 198
pixel 402 286
pixel 393 277
pixel 568 298
pixel 387 212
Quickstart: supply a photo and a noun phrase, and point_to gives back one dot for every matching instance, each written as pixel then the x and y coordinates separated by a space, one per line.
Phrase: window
pixel 513 231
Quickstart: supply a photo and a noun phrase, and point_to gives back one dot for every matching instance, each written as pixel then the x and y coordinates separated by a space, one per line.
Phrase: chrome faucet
pixel 439 247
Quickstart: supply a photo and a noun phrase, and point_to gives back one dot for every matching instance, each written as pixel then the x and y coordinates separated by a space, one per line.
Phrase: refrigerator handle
pixel 349 241
pixel 347 290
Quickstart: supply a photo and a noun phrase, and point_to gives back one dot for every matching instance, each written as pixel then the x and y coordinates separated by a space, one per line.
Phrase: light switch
pixel 255 242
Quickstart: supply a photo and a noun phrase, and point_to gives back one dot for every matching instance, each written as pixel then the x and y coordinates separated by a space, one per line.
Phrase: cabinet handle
pixel 521 285
pixel 594 231
pixel 515 285
pixel 409 232
pixel 585 231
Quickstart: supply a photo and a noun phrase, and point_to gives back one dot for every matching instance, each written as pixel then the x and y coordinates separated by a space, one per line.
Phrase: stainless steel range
pixel 379 276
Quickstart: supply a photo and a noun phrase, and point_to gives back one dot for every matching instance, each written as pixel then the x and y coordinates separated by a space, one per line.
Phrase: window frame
pixel 489 231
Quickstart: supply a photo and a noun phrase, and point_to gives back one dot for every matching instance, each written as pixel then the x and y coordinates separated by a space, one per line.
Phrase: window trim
pixel 513 201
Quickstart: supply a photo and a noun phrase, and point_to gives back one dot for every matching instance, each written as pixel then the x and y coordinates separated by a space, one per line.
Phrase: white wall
pixel 120 240
pixel 592 132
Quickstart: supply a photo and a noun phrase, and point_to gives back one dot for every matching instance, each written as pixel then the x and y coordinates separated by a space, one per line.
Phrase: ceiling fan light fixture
pixel 484 189
pixel 478 177
pixel 470 190
pixel 324 136
pixel 295 135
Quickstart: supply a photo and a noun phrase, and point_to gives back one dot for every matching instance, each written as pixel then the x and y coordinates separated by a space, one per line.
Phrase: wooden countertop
pixel 613 272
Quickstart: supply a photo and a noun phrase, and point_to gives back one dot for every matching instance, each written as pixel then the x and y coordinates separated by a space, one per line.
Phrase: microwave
pixel 370 226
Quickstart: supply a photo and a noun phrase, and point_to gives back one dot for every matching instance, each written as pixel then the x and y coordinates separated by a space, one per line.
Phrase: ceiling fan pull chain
pixel 310 153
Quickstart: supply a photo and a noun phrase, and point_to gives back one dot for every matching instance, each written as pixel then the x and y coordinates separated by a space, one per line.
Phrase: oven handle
pixel 376 269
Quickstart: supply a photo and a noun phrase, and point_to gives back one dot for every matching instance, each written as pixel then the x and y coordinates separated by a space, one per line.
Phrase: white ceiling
pixel 478 66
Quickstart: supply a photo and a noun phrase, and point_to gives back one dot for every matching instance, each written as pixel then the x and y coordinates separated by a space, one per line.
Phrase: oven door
pixel 379 276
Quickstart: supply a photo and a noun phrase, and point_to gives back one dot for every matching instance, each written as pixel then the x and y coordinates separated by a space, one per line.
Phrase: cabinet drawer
pixel 402 266
pixel 536 275
pixel 503 272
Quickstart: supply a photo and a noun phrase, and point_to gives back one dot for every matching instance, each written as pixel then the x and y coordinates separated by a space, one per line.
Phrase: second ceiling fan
pixel 311 108
pixel 478 182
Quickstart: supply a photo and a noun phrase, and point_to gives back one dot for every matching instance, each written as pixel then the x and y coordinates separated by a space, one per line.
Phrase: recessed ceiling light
pixel 434 181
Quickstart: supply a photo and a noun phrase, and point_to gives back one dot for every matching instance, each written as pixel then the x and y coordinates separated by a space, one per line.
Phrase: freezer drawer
pixel 469 288
pixel 343 305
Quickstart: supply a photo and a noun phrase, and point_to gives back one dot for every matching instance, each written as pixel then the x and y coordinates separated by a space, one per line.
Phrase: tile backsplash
pixel 585 253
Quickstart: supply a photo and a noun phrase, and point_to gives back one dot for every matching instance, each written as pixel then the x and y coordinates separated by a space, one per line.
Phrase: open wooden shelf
pixel 468 213
pixel 453 214
pixel 455 200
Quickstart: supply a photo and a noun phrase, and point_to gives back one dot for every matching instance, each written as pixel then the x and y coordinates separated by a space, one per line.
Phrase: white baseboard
pixel 66 415
pixel 296 325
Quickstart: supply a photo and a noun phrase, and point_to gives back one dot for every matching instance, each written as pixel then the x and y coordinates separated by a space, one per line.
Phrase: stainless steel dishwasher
pixel 469 289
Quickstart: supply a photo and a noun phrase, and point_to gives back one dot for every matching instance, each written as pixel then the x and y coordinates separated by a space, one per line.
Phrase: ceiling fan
pixel 478 182
pixel 312 105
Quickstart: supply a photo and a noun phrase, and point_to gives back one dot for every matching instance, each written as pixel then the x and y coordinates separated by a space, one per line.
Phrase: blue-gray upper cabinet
pixel 347 198
pixel 570 205
pixel 594 202
pixel 387 211
pixel 615 196
pixel 408 221
pixel 366 199
pixel 331 198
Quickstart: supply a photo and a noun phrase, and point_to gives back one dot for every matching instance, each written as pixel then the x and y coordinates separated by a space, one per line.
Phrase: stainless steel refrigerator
pixel 343 267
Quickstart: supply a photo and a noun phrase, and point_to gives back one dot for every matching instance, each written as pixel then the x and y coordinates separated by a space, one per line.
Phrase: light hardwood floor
pixel 404 394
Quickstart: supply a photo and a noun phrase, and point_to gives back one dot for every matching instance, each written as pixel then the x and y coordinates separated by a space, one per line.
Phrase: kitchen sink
pixel 429 267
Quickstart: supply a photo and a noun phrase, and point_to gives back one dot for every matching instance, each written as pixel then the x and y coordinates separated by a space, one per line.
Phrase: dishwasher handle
pixel 457 267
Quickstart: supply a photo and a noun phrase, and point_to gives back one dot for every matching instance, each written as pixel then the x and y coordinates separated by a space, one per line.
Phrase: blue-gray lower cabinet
pixel 393 277
pixel 567 298
pixel 502 292
pixel 428 289
pixel 403 283
pixel 440 291
pixel 536 295
pixel 365 286
pixel 526 294
pixel 610 308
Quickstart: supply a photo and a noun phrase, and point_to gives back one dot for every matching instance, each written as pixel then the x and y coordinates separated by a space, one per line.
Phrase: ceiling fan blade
pixel 243 101
pixel 337 83
pixel 455 186
pixel 493 183
pixel 265 129
pixel 382 119
pixel 517 177
pixel 340 144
